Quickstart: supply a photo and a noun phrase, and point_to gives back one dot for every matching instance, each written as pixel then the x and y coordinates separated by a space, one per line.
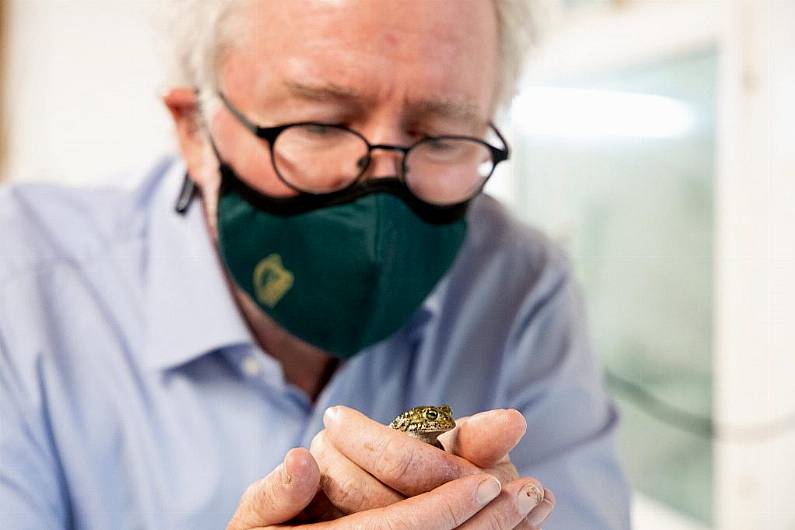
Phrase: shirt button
pixel 251 366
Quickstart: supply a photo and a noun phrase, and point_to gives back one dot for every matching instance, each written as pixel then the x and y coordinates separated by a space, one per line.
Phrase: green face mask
pixel 340 271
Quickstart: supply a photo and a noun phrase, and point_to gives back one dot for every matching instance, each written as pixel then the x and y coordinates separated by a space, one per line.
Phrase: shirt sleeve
pixel 555 380
pixel 31 491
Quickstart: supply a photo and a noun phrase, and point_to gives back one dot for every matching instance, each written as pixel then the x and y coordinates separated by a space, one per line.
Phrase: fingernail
pixel 487 490
pixel 331 415
pixel 286 477
pixel 540 514
pixel 528 498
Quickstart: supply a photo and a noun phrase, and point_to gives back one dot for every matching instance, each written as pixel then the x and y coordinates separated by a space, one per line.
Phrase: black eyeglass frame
pixel 271 134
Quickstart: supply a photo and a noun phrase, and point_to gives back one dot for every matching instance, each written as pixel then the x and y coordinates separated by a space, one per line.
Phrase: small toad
pixel 425 423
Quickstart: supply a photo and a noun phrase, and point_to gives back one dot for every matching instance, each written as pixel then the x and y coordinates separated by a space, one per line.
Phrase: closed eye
pixel 321 129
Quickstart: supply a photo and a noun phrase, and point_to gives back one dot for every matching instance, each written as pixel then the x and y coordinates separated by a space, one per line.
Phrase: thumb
pixel 281 495
pixel 486 438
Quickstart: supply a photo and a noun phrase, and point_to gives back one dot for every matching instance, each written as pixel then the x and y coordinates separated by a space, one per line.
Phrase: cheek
pixel 249 156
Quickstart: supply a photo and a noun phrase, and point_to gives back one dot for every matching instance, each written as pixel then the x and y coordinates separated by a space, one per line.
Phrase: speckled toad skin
pixel 426 423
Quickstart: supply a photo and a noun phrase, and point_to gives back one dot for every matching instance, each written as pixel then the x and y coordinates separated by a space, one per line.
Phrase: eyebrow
pixel 464 112
pixel 324 92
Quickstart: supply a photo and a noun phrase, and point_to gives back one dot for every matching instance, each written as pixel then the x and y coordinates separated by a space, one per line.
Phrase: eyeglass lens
pixel 323 159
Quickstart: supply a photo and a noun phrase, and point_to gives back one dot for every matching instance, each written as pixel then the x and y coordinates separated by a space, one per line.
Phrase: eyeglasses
pixel 318 158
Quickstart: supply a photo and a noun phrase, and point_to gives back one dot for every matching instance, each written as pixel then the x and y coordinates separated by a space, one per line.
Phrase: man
pixel 331 264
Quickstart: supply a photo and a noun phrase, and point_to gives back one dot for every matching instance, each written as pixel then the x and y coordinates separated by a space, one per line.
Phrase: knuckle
pixel 450 514
pixel 394 459
pixel 270 499
pixel 349 502
pixel 496 521
pixel 391 522
pixel 505 471
pixel 260 497
pixel 500 515
pixel 347 495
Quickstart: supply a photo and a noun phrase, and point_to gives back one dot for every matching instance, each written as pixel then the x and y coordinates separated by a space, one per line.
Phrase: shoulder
pixel 69 272
pixel 506 255
pixel 45 226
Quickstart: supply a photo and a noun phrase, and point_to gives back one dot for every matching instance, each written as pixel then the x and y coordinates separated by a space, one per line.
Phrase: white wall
pixel 84 78
pixel 755 289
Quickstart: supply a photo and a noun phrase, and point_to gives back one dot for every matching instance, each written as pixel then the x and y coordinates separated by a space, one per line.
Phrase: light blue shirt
pixel 132 395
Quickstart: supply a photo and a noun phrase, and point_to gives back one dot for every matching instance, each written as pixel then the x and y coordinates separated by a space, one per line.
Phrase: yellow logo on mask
pixel 272 280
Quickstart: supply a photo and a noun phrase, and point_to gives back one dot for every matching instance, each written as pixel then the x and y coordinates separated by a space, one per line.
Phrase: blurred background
pixel 652 138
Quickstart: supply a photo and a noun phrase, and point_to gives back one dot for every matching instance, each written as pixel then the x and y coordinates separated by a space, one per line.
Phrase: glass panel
pixel 620 169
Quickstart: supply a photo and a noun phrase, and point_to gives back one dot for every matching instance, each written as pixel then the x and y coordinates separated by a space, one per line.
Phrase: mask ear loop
pixel 186 195
pixel 188 191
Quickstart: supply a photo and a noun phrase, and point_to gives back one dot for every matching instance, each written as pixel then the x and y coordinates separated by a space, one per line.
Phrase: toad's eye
pixel 431 414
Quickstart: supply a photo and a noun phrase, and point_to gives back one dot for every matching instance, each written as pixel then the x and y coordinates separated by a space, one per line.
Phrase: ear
pixel 183 105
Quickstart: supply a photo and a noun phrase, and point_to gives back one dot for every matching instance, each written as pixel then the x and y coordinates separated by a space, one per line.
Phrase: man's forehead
pixel 405 26
pixel 441 105
pixel 353 55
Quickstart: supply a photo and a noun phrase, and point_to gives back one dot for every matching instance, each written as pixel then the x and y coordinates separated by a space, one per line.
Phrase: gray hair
pixel 199 31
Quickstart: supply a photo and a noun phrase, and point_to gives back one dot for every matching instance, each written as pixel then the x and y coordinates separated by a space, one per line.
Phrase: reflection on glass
pixel 620 169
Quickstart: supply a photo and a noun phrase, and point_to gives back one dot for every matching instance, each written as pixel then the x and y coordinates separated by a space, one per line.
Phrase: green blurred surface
pixel 637 217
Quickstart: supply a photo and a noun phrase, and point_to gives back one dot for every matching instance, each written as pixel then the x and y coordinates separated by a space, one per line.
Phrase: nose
pixel 384 162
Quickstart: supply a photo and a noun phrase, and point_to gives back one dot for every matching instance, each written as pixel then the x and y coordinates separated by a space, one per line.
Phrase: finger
pixel 541 513
pixel 403 463
pixel 485 439
pixel 509 510
pixel 281 495
pixel 347 486
pixel 446 507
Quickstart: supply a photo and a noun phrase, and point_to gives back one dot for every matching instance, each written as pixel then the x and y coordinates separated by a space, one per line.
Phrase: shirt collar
pixel 189 308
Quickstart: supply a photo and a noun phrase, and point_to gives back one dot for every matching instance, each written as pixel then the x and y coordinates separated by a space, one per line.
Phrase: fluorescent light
pixel 595 114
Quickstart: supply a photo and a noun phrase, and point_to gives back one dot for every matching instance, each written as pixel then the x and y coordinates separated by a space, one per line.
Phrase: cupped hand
pixel 467 502
pixel 366 465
